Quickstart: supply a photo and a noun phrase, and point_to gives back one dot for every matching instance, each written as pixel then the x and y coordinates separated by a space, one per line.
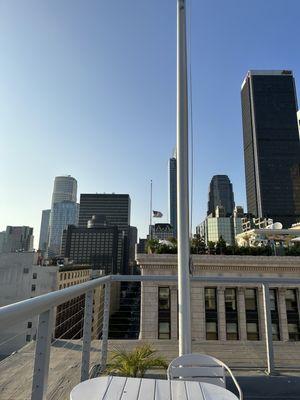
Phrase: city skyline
pixel 82 104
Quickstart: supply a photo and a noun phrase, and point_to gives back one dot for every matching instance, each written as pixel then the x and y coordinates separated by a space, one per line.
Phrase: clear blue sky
pixel 88 88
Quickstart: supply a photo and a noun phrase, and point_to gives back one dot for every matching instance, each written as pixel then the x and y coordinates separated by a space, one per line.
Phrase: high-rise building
pixel 17 239
pixel 2 241
pixel 115 207
pixel 271 145
pixel 65 189
pixel 44 231
pixel 98 244
pixel 63 214
pixel 298 119
pixel 64 211
pixel 220 194
pixel 173 193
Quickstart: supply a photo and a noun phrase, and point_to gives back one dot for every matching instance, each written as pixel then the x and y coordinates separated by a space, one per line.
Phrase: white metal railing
pixel 44 307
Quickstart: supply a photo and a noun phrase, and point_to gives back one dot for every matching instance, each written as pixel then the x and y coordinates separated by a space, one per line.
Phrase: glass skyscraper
pixel 63 214
pixel 271 145
pixel 65 188
pixel 44 231
pixel 220 194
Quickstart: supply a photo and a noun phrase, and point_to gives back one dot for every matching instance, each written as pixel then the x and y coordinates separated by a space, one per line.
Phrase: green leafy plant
pixel 136 362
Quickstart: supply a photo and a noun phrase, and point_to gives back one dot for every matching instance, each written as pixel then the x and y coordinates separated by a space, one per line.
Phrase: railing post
pixel 268 329
pixel 105 326
pixel 87 335
pixel 42 356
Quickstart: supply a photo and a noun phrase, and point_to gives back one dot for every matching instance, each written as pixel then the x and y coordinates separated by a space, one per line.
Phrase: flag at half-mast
pixel 157 214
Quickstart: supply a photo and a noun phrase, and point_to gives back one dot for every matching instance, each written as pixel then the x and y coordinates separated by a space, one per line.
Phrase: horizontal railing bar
pixel 25 309
pixel 173 278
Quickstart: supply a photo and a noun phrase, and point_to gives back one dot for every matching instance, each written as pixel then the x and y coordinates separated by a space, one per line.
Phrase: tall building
pixel 220 194
pixel 173 193
pixel 2 241
pixel 17 239
pixel 115 207
pixel 44 231
pixel 98 245
pixel 65 189
pixel 271 145
pixel 64 211
pixel 63 214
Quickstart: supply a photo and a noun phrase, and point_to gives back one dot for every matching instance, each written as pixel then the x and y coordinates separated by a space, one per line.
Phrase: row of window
pixel 71 275
pixel 231 314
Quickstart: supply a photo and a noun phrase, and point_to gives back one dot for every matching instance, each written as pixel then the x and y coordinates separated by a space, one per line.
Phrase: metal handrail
pixel 28 308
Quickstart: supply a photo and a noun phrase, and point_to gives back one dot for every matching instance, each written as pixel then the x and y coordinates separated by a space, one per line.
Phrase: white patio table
pixel 121 388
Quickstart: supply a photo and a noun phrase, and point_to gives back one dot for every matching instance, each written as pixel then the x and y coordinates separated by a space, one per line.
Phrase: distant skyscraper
pixel 271 145
pixel 173 193
pixel 65 188
pixel 44 231
pixel 18 238
pixel 64 211
pixel 115 207
pixel 63 214
pixel 220 194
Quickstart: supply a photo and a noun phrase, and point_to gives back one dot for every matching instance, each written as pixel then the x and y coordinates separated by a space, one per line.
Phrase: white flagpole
pixel 151 211
pixel 185 340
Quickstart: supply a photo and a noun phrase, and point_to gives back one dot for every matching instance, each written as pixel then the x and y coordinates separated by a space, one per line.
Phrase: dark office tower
pixel 115 207
pixel 173 193
pixel 271 145
pixel 220 194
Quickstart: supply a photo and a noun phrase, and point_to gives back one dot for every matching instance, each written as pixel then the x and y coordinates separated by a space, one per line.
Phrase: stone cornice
pixel 165 261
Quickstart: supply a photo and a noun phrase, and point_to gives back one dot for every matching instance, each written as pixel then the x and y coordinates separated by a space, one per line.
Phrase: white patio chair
pixel 201 368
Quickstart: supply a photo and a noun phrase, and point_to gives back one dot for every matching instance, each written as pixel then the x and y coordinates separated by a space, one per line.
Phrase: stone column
pixel 174 313
pixel 198 312
pixel 149 311
pixel 283 325
pixel 241 313
pixel 221 313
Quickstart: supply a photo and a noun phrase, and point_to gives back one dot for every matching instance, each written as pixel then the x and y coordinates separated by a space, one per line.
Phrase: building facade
pixel 218 224
pixel 220 194
pixel 271 145
pixel 173 193
pixel 221 312
pixel 63 214
pixel 44 231
pixel 18 239
pixel 99 245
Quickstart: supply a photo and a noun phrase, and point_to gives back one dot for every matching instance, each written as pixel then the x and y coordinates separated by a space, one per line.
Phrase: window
pixel 231 331
pixel 25 270
pixel 34 275
pixel 292 314
pixel 252 325
pixel 231 314
pixel 230 299
pixel 252 331
pixel 33 288
pixel 28 338
pixel 211 314
pixel 29 324
pixel 164 298
pixel 210 299
pixel 164 330
pixel 212 330
pixel 164 313
pixel 250 300
pixel 275 331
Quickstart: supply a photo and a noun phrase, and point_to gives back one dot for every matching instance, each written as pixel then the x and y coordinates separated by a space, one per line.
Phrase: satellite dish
pixel 276 225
